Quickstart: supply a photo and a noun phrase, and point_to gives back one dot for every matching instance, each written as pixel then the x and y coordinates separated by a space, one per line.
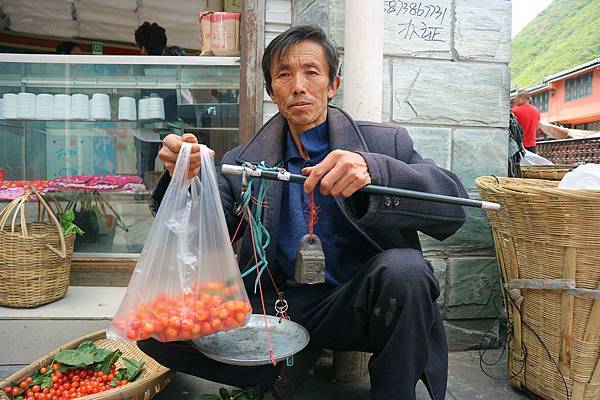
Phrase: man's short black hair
pixel 152 37
pixel 288 39
pixel 66 47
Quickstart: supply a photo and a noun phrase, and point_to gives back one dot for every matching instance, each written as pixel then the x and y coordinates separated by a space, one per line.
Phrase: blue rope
pixel 261 235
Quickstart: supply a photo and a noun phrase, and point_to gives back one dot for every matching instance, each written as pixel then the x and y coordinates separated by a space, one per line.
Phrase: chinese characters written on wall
pixel 420 21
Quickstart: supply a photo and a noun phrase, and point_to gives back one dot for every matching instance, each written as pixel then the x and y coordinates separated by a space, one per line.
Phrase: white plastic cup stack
pixel 100 107
pixel 127 109
pixel 156 108
pixel 62 106
pixel 44 106
pixel 80 106
pixel 11 106
pixel 1 108
pixel 26 105
pixel 143 109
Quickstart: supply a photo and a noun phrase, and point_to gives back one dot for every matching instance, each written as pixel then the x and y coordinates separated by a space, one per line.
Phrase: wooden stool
pixel 350 366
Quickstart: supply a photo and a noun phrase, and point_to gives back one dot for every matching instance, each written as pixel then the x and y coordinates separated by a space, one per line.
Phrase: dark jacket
pixel 384 222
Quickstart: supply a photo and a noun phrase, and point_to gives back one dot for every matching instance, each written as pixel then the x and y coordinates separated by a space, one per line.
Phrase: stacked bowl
pixel 100 107
pixel 26 105
pixel 11 107
pixel 152 109
pixel 80 106
pixel 127 109
pixel 44 106
pixel 62 106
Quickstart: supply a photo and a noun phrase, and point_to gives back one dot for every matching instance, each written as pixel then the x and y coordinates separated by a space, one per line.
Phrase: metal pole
pixel 284 176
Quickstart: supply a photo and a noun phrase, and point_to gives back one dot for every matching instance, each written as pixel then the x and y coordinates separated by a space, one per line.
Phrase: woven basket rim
pixel 117 393
pixel 533 187
pixel 549 167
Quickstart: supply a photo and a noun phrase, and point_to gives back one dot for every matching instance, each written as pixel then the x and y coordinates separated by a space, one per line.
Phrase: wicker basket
pixel 547 242
pixel 35 257
pixel 154 376
pixel 548 172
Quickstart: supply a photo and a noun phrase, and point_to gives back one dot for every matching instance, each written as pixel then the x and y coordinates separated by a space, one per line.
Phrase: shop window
pixel 540 101
pixel 89 131
pixel 578 87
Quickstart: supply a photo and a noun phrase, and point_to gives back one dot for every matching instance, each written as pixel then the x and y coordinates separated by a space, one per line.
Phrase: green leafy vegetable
pixel 45 381
pixel 119 376
pixel 134 368
pixel 104 359
pixel 67 225
pixel 83 356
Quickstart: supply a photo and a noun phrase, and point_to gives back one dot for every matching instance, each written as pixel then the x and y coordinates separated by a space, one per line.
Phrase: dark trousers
pixel 387 309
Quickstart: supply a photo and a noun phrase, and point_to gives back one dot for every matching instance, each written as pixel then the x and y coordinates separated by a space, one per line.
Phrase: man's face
pixel 300 82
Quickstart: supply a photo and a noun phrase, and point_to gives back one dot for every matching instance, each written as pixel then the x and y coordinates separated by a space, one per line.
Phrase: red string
pixel 237 230
pixel 262 297
pixel 312 216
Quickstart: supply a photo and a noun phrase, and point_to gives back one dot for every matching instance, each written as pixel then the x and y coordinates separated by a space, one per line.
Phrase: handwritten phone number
pixel 392 7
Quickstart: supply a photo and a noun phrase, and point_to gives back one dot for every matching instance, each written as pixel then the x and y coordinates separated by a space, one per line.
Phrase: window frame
pixel 579 87
pixel 545 100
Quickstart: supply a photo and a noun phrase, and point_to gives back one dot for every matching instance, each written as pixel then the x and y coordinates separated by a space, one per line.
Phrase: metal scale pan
pixel 248 345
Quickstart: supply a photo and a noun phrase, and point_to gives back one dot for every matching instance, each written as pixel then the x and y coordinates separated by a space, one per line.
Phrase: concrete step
pixel 28 334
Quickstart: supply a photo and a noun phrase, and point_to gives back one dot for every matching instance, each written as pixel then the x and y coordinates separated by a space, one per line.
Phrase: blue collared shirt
pixel 344 248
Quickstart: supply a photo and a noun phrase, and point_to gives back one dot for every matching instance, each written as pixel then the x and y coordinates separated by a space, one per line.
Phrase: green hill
pixel 564 35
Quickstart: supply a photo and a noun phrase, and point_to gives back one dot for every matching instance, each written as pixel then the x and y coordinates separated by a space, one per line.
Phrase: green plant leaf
pixel 43 380
pixel 66 222
pixel 118 377
pixel 224 393
pixel 82 356
pixel 104 359
pixel 134 368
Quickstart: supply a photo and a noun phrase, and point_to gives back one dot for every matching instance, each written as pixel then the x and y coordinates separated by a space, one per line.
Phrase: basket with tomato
pixel 88 368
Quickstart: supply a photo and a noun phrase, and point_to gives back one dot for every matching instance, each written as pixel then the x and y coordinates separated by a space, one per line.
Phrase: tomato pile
pixel 54 384
pixel 205 309
pixel 75 373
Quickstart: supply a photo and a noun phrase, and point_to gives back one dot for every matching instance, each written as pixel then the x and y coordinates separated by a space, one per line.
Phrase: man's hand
pixel 340 173
pixel 170 150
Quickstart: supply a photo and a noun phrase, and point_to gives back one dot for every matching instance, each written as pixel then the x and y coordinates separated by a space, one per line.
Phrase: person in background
pixel 68 48
pixel 528 117
pixel 151 38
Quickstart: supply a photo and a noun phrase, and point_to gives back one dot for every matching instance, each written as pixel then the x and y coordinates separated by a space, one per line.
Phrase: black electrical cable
pixel 509 334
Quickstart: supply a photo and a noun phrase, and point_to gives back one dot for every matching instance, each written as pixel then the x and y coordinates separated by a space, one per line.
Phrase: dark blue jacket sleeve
pixel 408 170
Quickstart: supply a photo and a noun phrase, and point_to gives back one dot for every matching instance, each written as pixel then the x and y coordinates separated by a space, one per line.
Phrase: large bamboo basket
pixel 35 257
pixel 547 172
pixel 154 376
pixel 548 247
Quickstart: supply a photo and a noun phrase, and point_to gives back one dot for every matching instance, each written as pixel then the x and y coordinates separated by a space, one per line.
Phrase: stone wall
pixel 446 79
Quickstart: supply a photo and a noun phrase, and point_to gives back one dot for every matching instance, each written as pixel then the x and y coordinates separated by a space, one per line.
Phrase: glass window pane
pixel 95 145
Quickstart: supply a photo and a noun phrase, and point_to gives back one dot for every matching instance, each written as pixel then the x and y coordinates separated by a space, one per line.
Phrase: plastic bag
pixel 186 283
pixel 534 159
pixel 584 177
